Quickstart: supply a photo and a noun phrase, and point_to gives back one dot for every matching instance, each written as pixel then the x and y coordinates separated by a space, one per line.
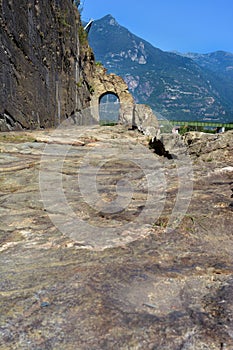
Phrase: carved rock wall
pixel 42 64
pixel 48 71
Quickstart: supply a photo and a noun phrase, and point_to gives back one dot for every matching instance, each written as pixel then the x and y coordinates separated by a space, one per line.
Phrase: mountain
pixel 220 64
pixel 182 87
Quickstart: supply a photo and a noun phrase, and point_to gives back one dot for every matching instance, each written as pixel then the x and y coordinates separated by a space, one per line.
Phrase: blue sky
pixel 184 25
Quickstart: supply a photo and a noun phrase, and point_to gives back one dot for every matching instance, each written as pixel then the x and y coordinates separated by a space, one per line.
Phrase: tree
pixel 77 2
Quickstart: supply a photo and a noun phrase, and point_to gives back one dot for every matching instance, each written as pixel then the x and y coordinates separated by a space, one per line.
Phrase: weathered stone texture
pixel 111 83
pixel 48 71
pixel 210 146
pixel 145 120
pixel 159 289
pixel 40 63
pixel 104 82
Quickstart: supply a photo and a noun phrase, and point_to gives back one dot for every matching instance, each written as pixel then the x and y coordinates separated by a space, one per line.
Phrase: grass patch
pixel 16 137
pixel 107 123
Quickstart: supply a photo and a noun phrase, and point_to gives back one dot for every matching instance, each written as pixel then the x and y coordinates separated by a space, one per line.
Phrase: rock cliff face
pixel 44 57
pixel 47 69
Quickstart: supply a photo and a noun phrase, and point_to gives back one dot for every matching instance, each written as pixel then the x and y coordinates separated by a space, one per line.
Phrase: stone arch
pixel 109 107
pixel 139 116
pixel 107 93
pixel 103 84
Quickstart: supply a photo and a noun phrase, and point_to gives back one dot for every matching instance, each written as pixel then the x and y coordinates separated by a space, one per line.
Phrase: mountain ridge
pixel 175 85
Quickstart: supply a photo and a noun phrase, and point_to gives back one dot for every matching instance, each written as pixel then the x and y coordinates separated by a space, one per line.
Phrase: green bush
pixel 82 34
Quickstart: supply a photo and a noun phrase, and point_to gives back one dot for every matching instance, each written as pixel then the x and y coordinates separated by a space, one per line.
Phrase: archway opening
pixel 109 108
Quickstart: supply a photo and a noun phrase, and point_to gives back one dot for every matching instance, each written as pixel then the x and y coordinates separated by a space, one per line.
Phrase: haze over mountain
pixel 177 86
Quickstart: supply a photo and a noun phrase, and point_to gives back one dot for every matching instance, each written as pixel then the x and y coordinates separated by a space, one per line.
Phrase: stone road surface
pixel 129 281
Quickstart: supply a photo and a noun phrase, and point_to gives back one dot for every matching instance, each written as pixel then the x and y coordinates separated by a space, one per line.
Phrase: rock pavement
pixel 130 281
